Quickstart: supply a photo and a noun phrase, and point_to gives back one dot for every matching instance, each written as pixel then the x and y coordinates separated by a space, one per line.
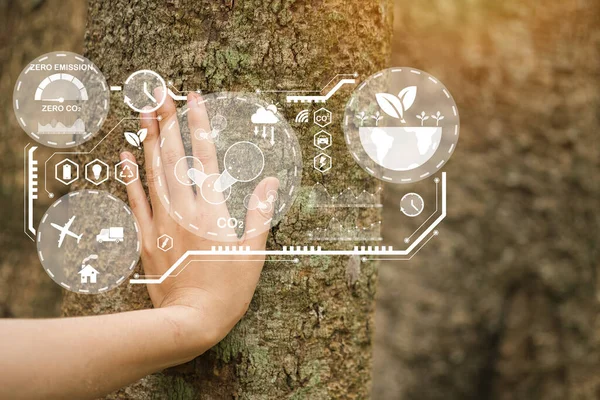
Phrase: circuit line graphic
pixel 304 250
pixel 320 99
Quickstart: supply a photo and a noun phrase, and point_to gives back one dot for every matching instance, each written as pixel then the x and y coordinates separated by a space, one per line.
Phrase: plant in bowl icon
pixel 401 148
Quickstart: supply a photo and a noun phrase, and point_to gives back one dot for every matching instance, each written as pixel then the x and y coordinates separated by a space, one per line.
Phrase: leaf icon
pixel 142 133
pixel 390 104
pixel 132 139
pixel 408 96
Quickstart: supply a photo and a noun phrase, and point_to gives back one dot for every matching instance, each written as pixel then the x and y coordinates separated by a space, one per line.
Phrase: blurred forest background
pixel 504 304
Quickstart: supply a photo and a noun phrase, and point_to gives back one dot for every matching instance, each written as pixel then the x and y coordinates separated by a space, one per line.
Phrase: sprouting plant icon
pixel 438 117
pixel 394 106
pixel 362 117
pixel 136 139
pixel 422 117
pixel 377 117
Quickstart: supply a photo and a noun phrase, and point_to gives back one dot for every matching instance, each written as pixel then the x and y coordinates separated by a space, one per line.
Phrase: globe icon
pixel 395 122
pixel 400 148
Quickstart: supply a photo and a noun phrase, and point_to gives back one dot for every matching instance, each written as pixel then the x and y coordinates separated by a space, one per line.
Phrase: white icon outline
pixel 163 86
pixel 322 162
pixel 63 163
pixel 105 168
pixel 318 115
pixel 164 242
pixel 303 116
pixel 319 141
pixel 413 200
pixel 134 168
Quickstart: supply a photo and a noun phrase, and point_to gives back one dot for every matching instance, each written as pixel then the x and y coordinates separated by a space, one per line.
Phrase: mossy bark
pixel 308 331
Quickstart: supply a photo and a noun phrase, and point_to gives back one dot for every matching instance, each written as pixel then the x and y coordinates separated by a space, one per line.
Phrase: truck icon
pixel 112 234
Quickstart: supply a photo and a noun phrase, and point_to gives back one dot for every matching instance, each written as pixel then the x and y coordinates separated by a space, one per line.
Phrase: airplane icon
pixel 64 231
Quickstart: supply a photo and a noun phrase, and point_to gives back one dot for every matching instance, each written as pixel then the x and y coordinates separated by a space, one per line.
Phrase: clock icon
pixel 412 205
pixel 139 91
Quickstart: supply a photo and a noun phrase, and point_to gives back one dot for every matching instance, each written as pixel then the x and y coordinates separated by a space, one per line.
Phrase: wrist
pixel 202 320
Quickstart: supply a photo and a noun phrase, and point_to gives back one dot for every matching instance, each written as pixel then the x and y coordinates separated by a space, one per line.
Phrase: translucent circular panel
pixel 211 195
pixel 88 241
pixel 61 99
pixel 401 125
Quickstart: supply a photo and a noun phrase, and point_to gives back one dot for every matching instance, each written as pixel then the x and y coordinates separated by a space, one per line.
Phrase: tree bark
pixel 308 331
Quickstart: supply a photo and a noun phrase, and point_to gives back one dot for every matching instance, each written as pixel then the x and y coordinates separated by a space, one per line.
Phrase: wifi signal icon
pixel 302 117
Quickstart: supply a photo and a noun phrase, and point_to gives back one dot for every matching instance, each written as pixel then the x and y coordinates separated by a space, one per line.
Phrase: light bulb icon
pixel 97 170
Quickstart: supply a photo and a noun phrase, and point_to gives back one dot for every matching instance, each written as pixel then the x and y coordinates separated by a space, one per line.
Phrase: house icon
pixel 88 272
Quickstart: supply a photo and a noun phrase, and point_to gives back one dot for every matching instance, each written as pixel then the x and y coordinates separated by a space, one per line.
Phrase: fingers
pixel 154 174
pixel 203 147
pixel 204 150
pixel 260 212
pixel 171 151
pixel 138 202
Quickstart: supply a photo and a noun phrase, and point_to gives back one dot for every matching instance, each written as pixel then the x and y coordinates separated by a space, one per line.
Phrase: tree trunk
pixel 308 331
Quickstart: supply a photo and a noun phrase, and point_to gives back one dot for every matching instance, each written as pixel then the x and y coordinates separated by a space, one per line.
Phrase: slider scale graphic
pixel 31 175
pixel 65 87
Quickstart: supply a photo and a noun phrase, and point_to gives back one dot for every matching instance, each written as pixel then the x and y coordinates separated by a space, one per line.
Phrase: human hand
pixel 215 290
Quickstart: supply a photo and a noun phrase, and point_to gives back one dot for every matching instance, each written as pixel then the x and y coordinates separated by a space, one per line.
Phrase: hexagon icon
pixel 164 243
pixel 323 117
pixel 66 171
pixel 322 162
pixel 97 172
pixel 127 172
pixel 322 140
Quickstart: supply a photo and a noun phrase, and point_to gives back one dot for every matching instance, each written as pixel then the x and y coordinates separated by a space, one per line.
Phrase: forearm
pixel 87 357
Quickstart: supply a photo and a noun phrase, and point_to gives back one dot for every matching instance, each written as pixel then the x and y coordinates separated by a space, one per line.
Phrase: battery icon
pixel 66 172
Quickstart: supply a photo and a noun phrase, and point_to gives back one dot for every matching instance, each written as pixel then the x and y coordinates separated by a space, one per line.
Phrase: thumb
pixel 260 206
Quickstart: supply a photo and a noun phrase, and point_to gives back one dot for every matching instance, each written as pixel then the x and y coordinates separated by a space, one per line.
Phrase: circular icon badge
pixel 253 143
pixel 140 93
pixel 88 241
pixel 412 205
pixel 401 125
pixel 61 99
